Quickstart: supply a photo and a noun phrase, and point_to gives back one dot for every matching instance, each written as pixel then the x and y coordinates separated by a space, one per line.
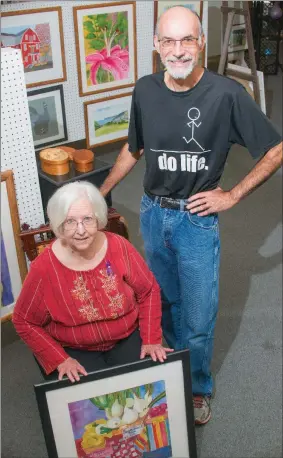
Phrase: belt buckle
pixel 163 202
pixel 167 202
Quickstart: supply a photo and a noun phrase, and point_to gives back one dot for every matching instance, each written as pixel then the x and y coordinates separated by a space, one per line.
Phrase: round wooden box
pixel 69 150
pixel 54 161
pixel 83 160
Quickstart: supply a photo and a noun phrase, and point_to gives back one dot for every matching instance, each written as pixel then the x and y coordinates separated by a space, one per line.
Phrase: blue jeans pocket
pixel 205 222
pixel 146 204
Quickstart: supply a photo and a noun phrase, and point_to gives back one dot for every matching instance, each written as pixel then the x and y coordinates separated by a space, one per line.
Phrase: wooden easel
pixel 228 18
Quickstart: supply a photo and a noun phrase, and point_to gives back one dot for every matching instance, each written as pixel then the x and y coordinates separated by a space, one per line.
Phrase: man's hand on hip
pixel 205 203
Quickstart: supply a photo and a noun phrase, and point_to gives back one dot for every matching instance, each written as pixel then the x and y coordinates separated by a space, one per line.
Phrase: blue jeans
pixel 182 251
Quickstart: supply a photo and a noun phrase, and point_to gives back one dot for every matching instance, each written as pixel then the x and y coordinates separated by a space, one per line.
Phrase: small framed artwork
pixel 107 119
pixel 106 46
pixel 139 410
pixel 47 116
pixel 238 39
pixel 38 33
pixel 13 262
pixel 162 5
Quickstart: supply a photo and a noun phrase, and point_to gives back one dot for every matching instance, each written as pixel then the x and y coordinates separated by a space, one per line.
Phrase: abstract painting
pixel 47 116
pixel 13 263
pixel 132 423
pixel 107 120
pixel 138 410
pixel 106 46
pixel 38 34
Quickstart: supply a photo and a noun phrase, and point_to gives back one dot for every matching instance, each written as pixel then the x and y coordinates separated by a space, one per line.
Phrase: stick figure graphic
pixel 193 115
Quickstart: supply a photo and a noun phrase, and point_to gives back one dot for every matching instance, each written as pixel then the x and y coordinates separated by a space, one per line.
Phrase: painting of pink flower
pixel 106 45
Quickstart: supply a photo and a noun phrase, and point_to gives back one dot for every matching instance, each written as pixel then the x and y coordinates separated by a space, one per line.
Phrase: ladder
pixel 228 19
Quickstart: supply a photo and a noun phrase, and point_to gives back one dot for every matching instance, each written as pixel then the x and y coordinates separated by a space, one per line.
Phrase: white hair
pixel 181 6
pixel 61 201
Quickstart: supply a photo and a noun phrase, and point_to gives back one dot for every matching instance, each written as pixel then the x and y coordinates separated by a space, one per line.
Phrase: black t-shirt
pixel 186 136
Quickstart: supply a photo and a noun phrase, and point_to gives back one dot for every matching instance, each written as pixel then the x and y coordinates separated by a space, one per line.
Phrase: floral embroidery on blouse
pixel 81 292
pixel 109 284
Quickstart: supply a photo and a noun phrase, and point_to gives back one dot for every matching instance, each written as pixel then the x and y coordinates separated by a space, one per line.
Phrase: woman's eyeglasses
pixel 71 224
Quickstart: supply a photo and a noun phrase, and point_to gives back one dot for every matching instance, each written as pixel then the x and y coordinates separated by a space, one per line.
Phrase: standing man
pixel 185 120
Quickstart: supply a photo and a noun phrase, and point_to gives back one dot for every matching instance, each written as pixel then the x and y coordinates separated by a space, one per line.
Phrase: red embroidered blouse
pixel 89 310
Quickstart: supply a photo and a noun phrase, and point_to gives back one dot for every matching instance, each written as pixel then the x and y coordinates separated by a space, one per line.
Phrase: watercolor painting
pixel 106 46
pixel 34 42
pixel 132 423
pixel 107 120
pixel 38 35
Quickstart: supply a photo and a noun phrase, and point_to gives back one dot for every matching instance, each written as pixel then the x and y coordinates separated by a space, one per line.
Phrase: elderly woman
pixel 89 300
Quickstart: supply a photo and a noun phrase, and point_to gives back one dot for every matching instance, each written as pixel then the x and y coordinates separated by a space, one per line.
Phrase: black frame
pixel 42 388
pixel 51 89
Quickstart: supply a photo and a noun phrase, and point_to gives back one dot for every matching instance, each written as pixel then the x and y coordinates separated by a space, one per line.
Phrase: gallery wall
pixel 73 102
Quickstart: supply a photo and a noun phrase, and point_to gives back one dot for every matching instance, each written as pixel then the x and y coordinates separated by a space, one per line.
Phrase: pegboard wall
pixel 17 150
pixel 73 102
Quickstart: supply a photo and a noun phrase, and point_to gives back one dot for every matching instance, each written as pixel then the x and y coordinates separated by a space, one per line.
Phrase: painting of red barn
pixel 34 42
pixel 38 35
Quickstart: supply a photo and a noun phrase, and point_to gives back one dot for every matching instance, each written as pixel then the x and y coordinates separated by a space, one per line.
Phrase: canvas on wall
pixel 106 46
pixel 38 33
pixel 13 263
pixel 107 120
pixel 47 116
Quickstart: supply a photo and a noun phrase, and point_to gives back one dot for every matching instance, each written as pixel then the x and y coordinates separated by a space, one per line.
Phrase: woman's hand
pixel 71 367
pixel 157 352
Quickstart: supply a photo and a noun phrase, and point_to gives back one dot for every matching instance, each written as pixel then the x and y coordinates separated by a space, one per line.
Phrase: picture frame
pixel 196 6
pixel 233 71
pixel 143 409
pixel 238 38
pixel 106 46
pixel 13 261
pixel 47 115
pixel 37 32
pixel 107 119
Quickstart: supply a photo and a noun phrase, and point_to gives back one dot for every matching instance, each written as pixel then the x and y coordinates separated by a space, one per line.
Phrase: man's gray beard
pixel 180 73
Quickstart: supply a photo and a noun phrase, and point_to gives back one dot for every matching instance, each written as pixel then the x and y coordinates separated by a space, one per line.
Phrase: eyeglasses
pixel 187 42
pixel 71 224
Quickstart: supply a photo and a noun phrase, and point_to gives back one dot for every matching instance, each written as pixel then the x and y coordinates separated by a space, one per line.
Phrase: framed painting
pixel 162 5
pixel 47 116
pixel 38 33
pixel 138 410
pixel 106 46
pixel 13 262
pixel 238 38
pixel 107 119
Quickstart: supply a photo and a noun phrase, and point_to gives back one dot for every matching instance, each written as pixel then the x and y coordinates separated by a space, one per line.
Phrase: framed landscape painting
pixel 138 410
pixel 106 46
pixel 47 116
pixel 38 33
pixel 13 262
pixel 107 119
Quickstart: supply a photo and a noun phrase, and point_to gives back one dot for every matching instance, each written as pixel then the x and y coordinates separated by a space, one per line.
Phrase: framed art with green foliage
pixel 106 46
pixel 107 119
pixel 138 410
